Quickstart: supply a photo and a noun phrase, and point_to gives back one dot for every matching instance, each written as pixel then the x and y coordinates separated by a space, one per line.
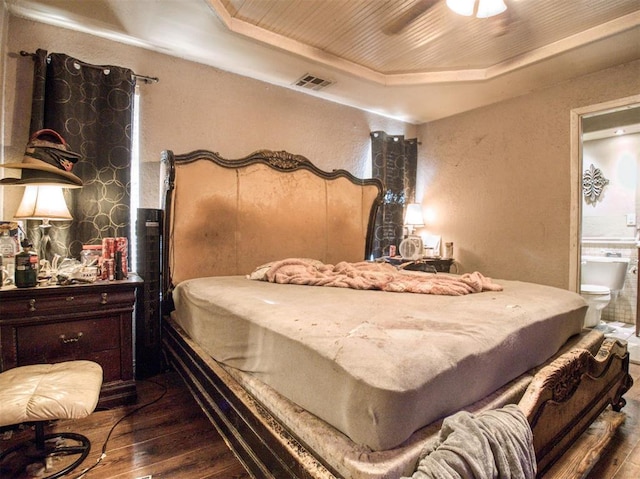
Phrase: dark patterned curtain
pixel 91 107
pixel 395 162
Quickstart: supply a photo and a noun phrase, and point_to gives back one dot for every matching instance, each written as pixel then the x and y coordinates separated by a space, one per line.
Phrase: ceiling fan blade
pixel 411 15
pixel 505 22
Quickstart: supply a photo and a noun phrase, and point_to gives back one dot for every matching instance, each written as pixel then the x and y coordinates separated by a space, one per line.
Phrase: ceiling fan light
pixel 489 8
pixel 462 7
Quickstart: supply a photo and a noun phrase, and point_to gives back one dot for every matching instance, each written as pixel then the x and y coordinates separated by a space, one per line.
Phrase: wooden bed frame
pixel 563 399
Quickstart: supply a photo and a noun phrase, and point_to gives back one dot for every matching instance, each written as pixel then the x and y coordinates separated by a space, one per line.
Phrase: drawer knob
pixel 66 340
pixel 104 298
pixel 32 305
pixel 70 298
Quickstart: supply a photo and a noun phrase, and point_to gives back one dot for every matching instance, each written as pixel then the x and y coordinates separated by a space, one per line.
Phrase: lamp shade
pixel 43 202
pixel 486 8
pixel 413 215
pixel 462 7
pixel 489 8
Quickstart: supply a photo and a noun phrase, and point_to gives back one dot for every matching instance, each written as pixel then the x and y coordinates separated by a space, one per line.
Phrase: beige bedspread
pixel 368 275
pixel 376 365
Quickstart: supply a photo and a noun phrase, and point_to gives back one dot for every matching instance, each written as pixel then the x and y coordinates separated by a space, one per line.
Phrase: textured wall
pixel 498 178
pixel 195 106
pixel 618 159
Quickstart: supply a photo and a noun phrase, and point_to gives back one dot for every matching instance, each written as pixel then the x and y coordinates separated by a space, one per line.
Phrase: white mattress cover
pixel 377 366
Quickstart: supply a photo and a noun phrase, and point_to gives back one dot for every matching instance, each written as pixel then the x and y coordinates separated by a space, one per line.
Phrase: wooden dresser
pixel 61 323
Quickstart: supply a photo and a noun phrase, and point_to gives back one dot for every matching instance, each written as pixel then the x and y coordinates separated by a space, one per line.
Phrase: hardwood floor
pixel 172 438
pixel 621 459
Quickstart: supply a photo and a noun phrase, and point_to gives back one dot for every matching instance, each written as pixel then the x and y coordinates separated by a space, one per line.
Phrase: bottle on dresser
pixel 8 251
pixel 26 275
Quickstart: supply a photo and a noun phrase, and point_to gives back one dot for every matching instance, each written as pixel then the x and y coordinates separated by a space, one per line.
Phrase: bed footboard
pixel 566 396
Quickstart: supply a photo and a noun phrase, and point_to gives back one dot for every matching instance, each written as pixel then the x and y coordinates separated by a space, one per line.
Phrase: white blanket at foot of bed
pixel 494 444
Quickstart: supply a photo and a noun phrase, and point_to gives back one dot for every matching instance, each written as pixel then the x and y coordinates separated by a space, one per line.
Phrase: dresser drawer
pixel 51 324
pixel 67 340
pixel 68 302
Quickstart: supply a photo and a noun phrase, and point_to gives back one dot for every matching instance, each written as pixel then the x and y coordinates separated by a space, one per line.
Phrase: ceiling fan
pixel 478 8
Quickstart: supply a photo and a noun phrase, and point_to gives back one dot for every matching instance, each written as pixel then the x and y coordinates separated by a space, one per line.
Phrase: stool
pixel 45 392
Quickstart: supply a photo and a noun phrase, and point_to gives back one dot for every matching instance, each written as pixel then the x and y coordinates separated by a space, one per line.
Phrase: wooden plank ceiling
pixel 416 36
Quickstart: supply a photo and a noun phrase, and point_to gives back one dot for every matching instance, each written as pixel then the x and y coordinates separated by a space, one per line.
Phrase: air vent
pixel 312 82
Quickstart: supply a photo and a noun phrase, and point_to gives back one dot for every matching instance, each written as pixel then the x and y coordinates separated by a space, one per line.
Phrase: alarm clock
pixel 411 248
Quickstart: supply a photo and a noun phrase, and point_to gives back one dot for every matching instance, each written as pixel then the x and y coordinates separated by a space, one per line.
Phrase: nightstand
pixel 84 321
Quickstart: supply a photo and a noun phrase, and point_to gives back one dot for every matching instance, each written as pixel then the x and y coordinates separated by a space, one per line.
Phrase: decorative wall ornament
pixel 593 182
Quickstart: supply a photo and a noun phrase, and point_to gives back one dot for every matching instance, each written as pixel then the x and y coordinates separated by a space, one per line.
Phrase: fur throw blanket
pixel 494 444
pixel 366 275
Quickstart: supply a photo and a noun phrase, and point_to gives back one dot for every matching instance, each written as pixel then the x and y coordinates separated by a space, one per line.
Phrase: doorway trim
pixel 575 221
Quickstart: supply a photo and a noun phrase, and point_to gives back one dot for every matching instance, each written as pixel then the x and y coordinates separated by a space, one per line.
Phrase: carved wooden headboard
pixel 226 217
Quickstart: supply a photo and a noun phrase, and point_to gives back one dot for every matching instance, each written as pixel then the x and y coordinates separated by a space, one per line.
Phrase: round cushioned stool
pixel 45 392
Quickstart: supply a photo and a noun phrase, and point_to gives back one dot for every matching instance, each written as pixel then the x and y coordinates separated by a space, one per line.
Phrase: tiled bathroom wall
pixel 623 309
pixel 611 220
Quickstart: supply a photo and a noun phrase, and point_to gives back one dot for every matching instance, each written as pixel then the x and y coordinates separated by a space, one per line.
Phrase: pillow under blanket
pixel 493 444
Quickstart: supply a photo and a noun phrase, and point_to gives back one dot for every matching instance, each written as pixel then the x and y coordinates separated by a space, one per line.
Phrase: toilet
pixel 597 297
pixel 601 278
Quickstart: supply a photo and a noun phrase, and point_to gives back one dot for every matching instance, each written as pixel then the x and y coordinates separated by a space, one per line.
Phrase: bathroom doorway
pixel 605 167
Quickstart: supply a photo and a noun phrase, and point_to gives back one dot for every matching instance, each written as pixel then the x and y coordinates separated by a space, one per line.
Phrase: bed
pixel 324 382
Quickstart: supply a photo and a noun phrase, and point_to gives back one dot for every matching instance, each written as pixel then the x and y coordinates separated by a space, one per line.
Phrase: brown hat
pixel 47 160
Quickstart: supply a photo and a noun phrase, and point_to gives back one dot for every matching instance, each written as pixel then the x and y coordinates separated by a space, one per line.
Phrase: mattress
pixel 377 366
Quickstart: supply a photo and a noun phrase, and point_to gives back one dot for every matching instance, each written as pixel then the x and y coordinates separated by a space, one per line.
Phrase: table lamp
pixel 413 217
pixel 44 203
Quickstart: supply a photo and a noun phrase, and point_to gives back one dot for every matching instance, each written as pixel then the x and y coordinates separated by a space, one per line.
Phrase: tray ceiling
pixel 413 60
pixel 420 36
